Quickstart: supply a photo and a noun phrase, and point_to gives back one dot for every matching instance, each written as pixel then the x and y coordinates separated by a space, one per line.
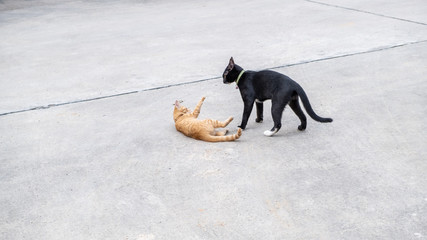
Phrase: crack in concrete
pixel 206 79
pixel 367 12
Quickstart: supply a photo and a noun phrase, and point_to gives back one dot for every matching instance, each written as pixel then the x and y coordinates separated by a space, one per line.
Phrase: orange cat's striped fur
pixel 187 123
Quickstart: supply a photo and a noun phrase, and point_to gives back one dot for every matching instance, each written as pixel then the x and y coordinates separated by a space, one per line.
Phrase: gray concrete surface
pixel 88 148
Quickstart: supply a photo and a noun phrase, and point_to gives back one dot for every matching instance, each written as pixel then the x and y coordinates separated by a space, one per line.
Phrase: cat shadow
pixel 285 131
pixel 289 133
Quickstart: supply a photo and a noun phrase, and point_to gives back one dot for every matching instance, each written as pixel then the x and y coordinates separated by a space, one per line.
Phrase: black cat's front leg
pixel 246 113
pixel 259 111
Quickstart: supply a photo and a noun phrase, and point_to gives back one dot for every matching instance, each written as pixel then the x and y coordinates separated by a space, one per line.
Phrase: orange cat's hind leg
pixel 221 133
pixel 233 137
pixel 219 124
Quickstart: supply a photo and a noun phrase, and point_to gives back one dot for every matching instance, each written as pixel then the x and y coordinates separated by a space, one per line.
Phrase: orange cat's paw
pixel 239 131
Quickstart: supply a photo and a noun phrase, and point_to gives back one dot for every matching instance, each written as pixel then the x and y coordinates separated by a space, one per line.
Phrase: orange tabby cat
pixel 187 123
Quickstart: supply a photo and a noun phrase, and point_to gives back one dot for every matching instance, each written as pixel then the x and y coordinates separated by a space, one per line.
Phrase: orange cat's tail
pixel 233 137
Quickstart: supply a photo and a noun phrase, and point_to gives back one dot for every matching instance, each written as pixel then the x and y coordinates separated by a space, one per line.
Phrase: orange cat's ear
pixel 176 104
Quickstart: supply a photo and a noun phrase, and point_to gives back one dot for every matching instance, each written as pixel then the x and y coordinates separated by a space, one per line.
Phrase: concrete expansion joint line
pixel 349 54
pixel 207 79
pixel 367 12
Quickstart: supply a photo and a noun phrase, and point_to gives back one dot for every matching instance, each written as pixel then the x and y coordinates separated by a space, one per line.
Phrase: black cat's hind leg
pixel 276 112
pixel 259 111
pixel 294 104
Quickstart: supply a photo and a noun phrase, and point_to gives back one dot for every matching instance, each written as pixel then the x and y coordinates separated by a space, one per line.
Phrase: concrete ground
pixel 88 147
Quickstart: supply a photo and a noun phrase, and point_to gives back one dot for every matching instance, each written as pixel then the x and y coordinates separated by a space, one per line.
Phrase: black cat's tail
pixel 308 107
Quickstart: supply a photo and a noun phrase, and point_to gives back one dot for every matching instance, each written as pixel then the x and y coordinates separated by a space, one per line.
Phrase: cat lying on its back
pixel 187 123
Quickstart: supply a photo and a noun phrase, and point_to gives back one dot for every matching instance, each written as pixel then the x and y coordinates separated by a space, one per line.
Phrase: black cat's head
pixel 231 72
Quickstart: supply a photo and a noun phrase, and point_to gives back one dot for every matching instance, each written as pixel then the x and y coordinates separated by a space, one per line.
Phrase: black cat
pixel 260 86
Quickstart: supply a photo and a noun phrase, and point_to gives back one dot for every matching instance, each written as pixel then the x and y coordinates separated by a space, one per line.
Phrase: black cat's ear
pixel 231 63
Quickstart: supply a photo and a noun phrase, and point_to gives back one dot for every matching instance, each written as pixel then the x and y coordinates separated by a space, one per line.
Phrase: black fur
pixel 263 85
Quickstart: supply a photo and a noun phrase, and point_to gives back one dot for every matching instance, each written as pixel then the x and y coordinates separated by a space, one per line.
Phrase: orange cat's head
pixel 179 111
